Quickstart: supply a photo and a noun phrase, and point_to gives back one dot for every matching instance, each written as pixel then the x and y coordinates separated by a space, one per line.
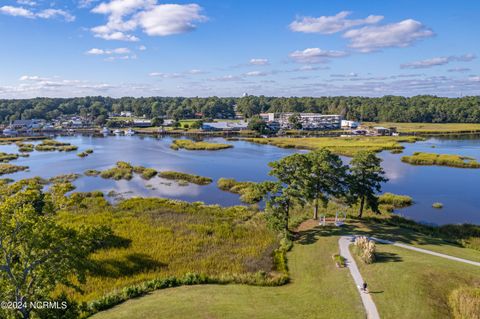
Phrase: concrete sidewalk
pixel 370 307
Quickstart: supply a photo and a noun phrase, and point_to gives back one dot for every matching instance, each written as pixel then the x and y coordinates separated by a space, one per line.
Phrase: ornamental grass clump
pixel 365 249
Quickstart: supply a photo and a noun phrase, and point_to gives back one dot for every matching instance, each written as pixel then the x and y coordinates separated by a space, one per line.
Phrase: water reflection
pixel 456 188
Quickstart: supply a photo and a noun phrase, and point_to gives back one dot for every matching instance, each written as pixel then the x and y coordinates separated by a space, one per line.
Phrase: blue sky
pixel 225 48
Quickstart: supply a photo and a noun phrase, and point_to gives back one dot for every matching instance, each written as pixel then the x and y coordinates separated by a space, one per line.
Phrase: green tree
pixel 258 125
pixel 295 121
pixel 322 177
pixel 157 121
pixel 288 190
pixel 365 180
pixel 36 252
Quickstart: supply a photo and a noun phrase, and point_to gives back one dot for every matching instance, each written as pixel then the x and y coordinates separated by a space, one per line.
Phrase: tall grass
pixel 397 201
pixel 179 176
pixel 420 158
pixel 347 146
pixel 195 146
pixel 465 303
pixel 159 238
pixel 9 168
pixel 248 192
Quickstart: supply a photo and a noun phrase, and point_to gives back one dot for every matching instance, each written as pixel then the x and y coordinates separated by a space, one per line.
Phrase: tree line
pixel 425 108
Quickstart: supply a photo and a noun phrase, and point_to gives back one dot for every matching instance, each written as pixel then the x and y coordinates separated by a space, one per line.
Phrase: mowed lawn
pixel 317 290
pixel 408 284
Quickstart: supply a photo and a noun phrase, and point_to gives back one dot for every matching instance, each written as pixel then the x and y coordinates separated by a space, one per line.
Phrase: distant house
pixel 27 124
pixel 349 124
pixel 380 130
pixel 126 114
pixel 224 126
pixel 142 123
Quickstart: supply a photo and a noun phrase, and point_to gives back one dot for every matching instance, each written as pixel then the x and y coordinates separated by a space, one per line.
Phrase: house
pixel 27 124
pixel 224 126
pixel 126 114
pixel 349 124
pixel 380 130
pixel 142 123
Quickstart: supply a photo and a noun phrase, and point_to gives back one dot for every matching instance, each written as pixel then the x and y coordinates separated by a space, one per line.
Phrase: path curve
pixel 425 251
pixel 370 307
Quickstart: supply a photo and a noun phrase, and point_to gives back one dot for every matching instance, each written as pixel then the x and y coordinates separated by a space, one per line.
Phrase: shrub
pixel 365 248
pixel 339 260
pixel 465 303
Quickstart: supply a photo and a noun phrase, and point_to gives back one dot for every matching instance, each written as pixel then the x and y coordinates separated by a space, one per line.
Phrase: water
pixel 456 188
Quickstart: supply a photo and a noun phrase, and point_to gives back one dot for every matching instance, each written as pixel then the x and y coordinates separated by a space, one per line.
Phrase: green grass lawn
pixel 408 284
pixel 317 290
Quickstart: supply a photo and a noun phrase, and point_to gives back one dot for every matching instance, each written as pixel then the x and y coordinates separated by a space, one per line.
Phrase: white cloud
pixel 374 38
pixel 315 55
pixel 428 63
pixel 257 73
pixel 166 75
pixel 258 61
pixel 459 70
pixel 32 78
pixel 125 16
pixel 43 14
pixel 142 48
pixel 227 78
pixel 330 24
pixel 27 2
pixel 53 13
pixel 96 51
pixel 17 12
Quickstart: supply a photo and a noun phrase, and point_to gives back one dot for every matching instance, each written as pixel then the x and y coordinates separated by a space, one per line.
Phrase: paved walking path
pixel 344 242
pixel 421 250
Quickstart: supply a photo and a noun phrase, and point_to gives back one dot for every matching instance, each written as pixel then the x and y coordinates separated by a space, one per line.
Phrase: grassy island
pixel 52 145
pixel 420 158
pixel 122 170
pixel 347 146
pixel 397 201
pixel 184 177
pixel 431 128
pixel 25 147
pixel 6 157
pixel 65 178
pixel 91 172
pixel 9 168
pixel 249 194
pixel 198 146
pixel 85 153
pixel 145 173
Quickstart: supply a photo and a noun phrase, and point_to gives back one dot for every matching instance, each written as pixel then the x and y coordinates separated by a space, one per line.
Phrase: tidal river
pixel 458 189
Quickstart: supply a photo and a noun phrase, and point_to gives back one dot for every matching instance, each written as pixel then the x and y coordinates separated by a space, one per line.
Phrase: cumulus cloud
pixel 374 38
pixel 43 14
pixel 258 61
pixel 428 63
pixel 315 55
pixel 126 16
pixel 96 51
pixel 330 24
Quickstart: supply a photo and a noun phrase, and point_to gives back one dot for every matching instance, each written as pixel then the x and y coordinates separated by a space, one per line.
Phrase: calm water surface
pixel 457 189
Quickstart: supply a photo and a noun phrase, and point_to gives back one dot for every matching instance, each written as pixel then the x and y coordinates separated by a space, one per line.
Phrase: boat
pixel 105 130
pixel 117 132
pixel 129 132
pixel 9 131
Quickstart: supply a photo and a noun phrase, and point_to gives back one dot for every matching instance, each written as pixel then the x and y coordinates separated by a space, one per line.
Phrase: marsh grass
pixel 249 194
pixel 397 201
pixel 85 153
pixel 437 205
pixel 9 168
pixel 52 145
pixel 91 172
pixel 25 147
pixel 65 178
pixel 197 146
pixel 159 238
pixel 6 157
pixel 420 158
pixel 190 178
pixel 465 302
pixel 145 173
pixel 347 146
pixel 122 170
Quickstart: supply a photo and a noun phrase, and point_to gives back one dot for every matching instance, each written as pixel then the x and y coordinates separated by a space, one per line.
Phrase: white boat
pixel 117 132
pixel 105 130
pixel 129 132
pixel 9 131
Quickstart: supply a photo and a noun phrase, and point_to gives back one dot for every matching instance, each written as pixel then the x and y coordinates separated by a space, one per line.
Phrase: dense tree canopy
pixel 425 108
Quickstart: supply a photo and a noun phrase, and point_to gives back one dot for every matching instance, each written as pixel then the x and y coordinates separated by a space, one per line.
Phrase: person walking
pixel 364 287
